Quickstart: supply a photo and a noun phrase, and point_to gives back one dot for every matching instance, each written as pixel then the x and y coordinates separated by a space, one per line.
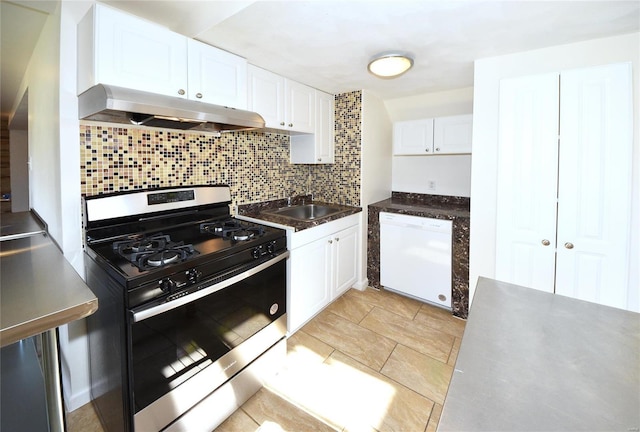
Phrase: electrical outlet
pixel 431 185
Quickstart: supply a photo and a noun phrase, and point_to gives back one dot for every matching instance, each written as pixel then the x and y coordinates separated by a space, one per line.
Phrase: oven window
pixel 172 347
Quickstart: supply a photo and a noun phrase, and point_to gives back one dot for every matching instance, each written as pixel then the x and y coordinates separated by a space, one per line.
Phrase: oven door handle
pixel 144 314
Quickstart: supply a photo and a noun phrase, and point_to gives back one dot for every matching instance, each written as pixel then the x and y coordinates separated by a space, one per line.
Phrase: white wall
pixel 41 83
pixel 488 73
pixel 19 156
pixel 375 163
pixel 73 341
pixel 451 173
pixel 53 131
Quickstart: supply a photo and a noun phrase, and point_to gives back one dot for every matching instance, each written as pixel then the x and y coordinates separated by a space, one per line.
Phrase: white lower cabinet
pixel 322 266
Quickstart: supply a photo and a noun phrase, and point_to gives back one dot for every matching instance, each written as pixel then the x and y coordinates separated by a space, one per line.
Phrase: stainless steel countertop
pixel 531 360
pixel 39 289
pixel 21 224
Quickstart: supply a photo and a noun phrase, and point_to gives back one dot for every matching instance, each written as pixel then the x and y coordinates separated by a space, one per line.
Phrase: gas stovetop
pixel 136 258
pixel 174 239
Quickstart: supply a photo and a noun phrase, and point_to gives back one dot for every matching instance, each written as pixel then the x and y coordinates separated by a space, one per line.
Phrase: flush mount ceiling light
pixel 390 64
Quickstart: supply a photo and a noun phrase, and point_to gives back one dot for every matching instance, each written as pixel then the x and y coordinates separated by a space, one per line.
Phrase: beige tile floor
pixel 372 361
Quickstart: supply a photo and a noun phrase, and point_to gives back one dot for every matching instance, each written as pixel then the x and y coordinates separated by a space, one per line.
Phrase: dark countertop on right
pixel 455 209
pixel 434 206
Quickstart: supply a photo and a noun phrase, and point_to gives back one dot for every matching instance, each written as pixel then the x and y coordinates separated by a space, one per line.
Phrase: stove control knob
pixel 271 247
pixel 167 285
pixel 257 252
pixel 193 275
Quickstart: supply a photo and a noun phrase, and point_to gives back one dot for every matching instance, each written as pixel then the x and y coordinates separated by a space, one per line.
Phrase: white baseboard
pixel 79 398
pixel 361 285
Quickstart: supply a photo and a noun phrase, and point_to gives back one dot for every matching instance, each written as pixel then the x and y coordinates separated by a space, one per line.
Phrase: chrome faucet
pixel 290 199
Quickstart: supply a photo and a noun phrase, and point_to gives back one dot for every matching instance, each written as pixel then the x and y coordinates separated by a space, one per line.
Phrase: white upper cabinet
pixel 325 127
pixel 216 76
pixel 440 135
pixel 300 107
pixel 119 49
pixel 452 135
pixel 122 50
pixel 266 96
pixel 319 147
pixel 414 137
pixel 284 104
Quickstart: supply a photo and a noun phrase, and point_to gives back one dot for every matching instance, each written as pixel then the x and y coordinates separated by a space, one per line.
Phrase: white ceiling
pixel 327 44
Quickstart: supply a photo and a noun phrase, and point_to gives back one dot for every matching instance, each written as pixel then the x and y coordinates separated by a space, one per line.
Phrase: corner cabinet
pixel 433 136
pixel 123 50
pixel 319 147
pixel 322 266
pixel 564 183
pixel 284 104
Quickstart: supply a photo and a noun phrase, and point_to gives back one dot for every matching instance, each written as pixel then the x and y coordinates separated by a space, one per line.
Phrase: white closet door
pixel 527 181
pixel 595 184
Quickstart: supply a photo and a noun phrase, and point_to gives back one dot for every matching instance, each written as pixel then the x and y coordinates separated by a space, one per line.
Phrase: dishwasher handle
pixel 415 222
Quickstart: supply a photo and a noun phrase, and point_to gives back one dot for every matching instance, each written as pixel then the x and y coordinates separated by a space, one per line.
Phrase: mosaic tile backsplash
pixel 254 164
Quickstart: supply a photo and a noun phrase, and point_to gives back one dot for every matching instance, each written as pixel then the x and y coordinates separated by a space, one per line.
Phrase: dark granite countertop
pixel 259 211
pixel 434 206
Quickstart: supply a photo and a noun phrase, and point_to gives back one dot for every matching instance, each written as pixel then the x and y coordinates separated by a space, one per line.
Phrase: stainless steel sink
pixel 306 212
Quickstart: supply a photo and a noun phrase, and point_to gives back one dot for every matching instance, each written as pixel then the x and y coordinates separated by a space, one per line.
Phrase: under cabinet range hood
pixel 113 104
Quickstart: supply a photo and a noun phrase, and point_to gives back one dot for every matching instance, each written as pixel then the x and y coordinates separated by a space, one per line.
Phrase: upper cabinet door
pixel 319 147
pixel 452 135
pixel 414 137
pixel 216 76
pixel 266 96
pixel 300 107
pixel 325 125
pixel 120 49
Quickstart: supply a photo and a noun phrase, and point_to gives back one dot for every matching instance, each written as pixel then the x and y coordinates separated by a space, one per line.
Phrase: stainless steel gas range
pixel 192 307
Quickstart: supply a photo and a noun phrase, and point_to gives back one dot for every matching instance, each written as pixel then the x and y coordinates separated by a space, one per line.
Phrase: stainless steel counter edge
pixel 39 289
pixel 532 360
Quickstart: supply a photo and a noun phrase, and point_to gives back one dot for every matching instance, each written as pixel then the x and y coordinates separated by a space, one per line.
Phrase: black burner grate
pixel 153 251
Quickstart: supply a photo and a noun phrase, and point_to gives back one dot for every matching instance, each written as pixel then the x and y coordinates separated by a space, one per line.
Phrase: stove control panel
pixel 263 249
pixel 177 282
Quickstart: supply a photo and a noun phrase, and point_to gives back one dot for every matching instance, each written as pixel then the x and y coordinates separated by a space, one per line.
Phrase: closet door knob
pixel 546 242
pixel 568 245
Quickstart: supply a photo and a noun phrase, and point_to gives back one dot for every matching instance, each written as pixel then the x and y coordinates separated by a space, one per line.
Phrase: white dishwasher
pixel 415 257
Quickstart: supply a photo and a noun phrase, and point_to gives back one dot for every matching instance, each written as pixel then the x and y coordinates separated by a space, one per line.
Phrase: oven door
pixel 184 349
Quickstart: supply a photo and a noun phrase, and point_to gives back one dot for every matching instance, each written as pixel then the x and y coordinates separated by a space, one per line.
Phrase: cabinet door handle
pixel 199 95
pixel 427 150
pixel 437 148
pixel 330 241
pixel 319 159
pixel 181 92
pixel 546 242
pixel 337 238
pixel 568 245
pixel 281 123
pixel 290 124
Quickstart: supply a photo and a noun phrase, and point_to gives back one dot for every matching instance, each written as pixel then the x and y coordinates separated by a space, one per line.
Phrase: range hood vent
pixel 113 104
